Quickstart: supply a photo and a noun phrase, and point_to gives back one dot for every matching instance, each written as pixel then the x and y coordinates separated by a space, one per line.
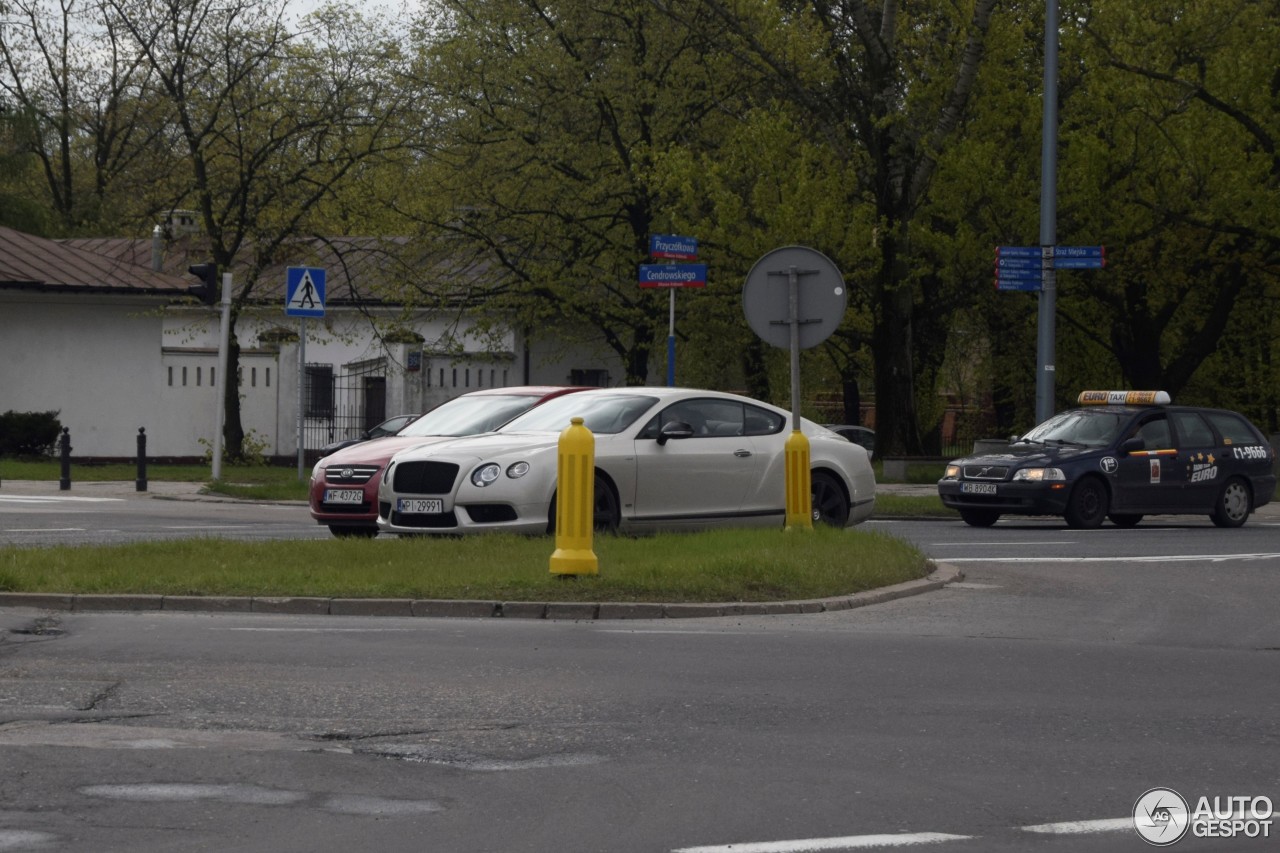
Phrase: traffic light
pixel 207 290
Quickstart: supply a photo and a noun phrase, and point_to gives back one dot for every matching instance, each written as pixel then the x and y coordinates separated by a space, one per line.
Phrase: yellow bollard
pixel 799 483
pixel 575 502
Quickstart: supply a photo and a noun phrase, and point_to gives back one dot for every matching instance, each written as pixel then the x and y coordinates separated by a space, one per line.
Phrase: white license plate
pixel 419 505
pixel 978 488
pixel 344 496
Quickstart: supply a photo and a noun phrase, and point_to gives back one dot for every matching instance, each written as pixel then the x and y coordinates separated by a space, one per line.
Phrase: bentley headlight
pixel 485 475
pixel 517 470
pixel 1037 475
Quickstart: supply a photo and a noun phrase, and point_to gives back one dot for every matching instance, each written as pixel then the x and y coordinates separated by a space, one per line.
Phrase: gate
pixel 342 407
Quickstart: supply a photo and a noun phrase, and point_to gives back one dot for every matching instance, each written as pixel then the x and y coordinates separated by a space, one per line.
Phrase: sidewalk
pixel 120 489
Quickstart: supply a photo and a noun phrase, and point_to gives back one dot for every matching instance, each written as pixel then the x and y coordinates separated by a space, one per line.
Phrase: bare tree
pixel 92 112
pixel 268 124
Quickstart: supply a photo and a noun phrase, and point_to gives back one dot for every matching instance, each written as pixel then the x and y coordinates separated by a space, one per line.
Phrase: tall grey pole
pixel 1047 319
pixel 224 342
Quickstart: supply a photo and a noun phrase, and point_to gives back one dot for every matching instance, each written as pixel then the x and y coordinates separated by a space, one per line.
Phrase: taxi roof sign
pixel 1124 398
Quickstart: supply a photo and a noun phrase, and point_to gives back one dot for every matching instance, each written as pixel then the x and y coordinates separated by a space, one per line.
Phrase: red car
pixel 344 485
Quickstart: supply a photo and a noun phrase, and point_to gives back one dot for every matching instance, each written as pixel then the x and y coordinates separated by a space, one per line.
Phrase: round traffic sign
pixel 820 296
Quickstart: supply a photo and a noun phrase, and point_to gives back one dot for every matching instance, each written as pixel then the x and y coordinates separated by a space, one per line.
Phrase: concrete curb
pixel 574 611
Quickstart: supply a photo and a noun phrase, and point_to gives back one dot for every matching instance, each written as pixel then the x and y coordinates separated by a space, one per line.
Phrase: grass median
pixel 735 565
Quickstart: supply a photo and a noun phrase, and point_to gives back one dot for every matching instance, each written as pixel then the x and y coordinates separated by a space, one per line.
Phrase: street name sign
pixel 673 247
pixel 673 275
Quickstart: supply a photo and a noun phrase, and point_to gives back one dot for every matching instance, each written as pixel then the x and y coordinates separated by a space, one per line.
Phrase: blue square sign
pixel 304 292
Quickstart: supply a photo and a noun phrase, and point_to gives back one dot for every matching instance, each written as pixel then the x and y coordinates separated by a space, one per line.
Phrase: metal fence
pixel 342 404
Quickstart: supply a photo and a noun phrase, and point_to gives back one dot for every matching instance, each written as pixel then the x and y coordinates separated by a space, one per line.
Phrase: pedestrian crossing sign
pixel 304 292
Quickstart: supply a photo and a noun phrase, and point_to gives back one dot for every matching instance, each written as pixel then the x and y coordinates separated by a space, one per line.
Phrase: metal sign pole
pixel 793 318
pixel 302 388
pixel 1047 306
pixel 671 341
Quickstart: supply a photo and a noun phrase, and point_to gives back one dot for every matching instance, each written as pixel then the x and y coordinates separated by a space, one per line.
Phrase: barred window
pixel 320 390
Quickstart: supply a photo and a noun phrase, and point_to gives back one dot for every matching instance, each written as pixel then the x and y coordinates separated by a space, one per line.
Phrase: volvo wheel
pixel 1087 506
pixel 1234 504
pixel 979 517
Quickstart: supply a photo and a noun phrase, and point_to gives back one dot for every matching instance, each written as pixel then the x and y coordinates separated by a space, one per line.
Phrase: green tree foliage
pixel 886 89
pixel 544 166
pixel 1174 130
pixel 19 208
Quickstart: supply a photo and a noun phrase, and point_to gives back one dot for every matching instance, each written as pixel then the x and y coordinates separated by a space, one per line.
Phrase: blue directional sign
pixel 1080 251
pixel 1080 257
pixel 1019 268
pixel 1024 284
pixel 304 292
pixel 1021 272
pixel 1023 267
pixel 1019 252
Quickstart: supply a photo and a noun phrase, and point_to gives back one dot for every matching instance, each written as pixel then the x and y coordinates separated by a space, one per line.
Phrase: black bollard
pixel 142 460
pixel 65 483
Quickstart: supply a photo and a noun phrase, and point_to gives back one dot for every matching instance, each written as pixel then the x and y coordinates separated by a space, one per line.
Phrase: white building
pixel 92 330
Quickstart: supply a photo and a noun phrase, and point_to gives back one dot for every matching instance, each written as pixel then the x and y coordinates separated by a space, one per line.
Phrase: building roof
pixel 31 262
pixel 352 264
pixel 359 270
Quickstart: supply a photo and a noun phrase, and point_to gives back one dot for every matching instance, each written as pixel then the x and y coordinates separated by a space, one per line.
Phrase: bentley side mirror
pixel 674 429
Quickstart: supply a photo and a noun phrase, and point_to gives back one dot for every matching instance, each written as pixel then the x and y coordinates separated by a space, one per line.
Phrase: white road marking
pixel 45 530
pixel 670 631
pixel 864 842
pixel 321 630
pixel 1172 558
pixel 850 842
pixel 46 499
pixel 1005 544
pixel 23 839
pixel 1082 827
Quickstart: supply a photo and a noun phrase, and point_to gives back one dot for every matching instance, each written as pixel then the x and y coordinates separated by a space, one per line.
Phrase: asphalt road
pixel 39 513
pixel 1025 708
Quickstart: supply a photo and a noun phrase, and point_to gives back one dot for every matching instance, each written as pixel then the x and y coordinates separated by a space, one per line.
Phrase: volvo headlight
pixel 1037 475
pixel 485 475
pixel 518 470
pixel 953 473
